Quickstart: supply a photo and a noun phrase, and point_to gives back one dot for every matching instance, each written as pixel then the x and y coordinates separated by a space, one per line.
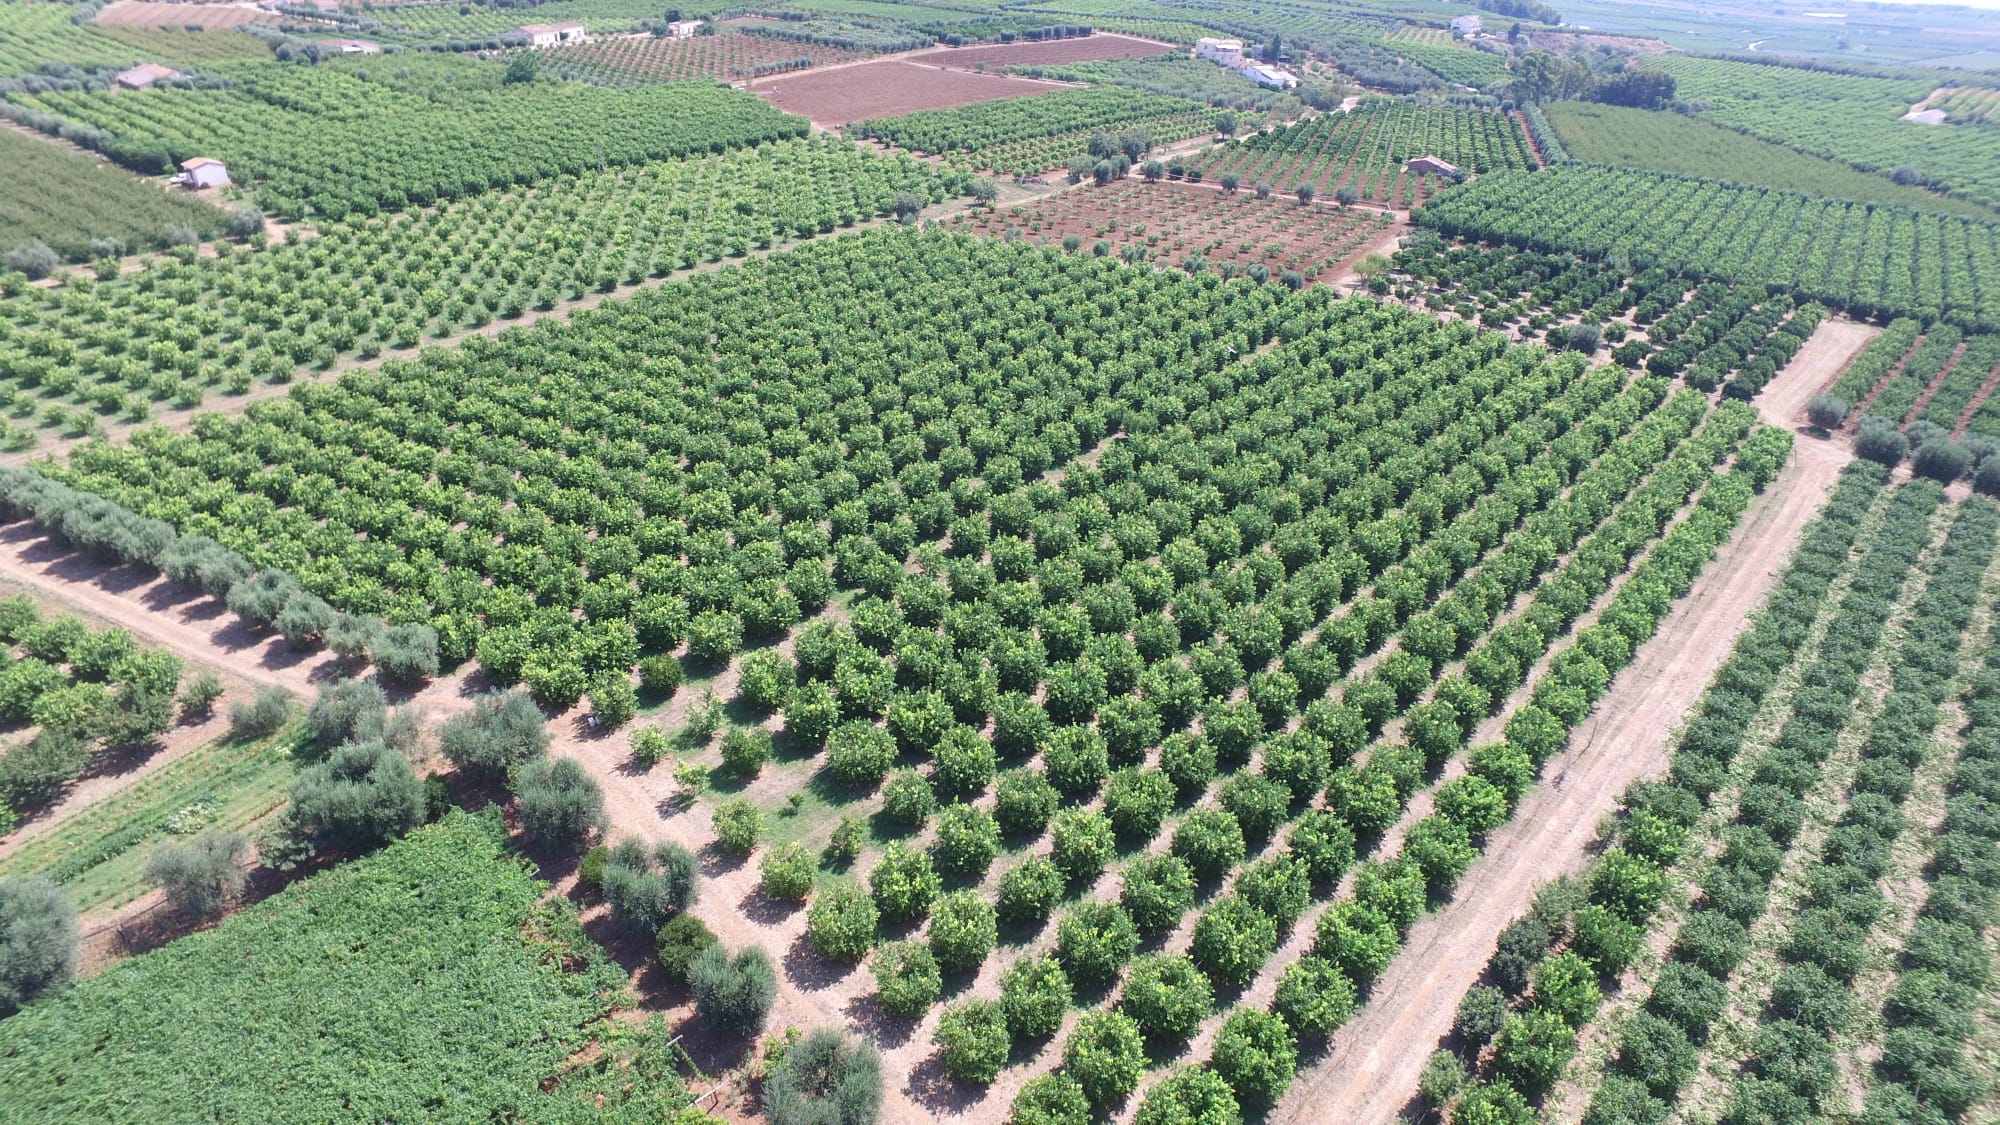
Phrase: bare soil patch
pixel 1091 48
pixel 150 13
pixel 1370 1071
pixel 1827 352
pixel 841 96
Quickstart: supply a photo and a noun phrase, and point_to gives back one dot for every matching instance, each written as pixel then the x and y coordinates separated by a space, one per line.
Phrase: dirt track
pixel 1370 1071
pixel 1828 351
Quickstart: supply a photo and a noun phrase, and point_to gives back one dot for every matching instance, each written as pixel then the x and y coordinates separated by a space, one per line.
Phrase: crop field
pixel 335 143
pixel 1711 334
pixel 1032 136
pixel 1087 48
pixel 1852 118
pixel 1940 377
pixel 179 329
pixel 1176 75
pixel 1688 146
pixel 1845 255
pixel 889 88
pixel 729 56
pixel 1456 63
pixel 1190 227
pixel 1366 149
pixel 442 22
pixel 148 14
pixel 65 200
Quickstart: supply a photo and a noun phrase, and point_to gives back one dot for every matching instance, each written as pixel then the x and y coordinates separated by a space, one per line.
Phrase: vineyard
pixel 1029 136
pixel 1851 118
pixel 335 143
pixel 1712 334
pixel 184 327
pixel 1366 149
pixel 67 202
pixel 729 56
pixel 1846 255
pixel 1189 227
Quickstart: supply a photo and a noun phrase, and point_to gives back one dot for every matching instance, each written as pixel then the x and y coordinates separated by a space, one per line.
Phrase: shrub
pixel 1024 802
pixel 904 883
pixel 1034 994
pixel 787 873
pixel 1083 844
pixel 908 800
pixel 345 710
pixel 560 805
pixel 1094 940
pixel 907 980
pixel 660 676
pixel 1137 801
pixel 967 841
pixel 963 762
pixel 963 930
pixel 590 870
pixel 1157 891
pixel 841 923
pixel 33 258
pixel 1232 939
pixel 1941 460
pixel 201 875
pixel 501 731
pixel 1492 1103
pixel 1256 1054
pixel 200 694
pixel 1052 1099
pixel 38 941
pixel 1880 441
pixel 738 823
pixel 745 750
pixel 972 1037
pixel 1532 1050
pixel 1567 985
pixel 1106 1056
pixel 1167 997
pixel 1324 844
pixel 362 796
pixel 1211 842
pixel 36 770
pixel 859 753
pixel 1314 997
pixel 1029 891
pixel 1442 1078
pixel 1190 1095
pixel 825 1079
pixel 1481 1015
pixel 1277 887
pixel 681 939
pixel 1827 412
pixel 646 886
pixel 765 679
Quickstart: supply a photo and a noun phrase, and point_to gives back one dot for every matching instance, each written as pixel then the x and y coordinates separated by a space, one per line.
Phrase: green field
pixel 55 195
pixel 1688 146
pixel 419 984
pixel 99 854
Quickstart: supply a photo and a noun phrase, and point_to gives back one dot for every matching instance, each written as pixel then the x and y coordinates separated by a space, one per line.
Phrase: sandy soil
pixel 1827 352
pixel 840 95
pixel 1370 1071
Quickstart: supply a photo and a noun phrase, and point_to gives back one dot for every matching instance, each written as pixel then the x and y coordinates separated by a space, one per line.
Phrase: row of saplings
pixel 1928 447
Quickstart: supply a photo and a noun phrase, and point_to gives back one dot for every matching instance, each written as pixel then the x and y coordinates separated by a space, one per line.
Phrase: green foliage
pixel 38 942
pixel 1105 1055
pixel 1029 891
pixel 1156 891
pixel 1167 996
pixel 1034 994
pixel 1052 1099
pixel 200 876
pixel 907 978
pixel 1083 843
pixel 559 804
pixel 1232 939
pixel 363 795
pixel 500 732
pixel 1190 1095
pixel 825 1079
pixel 733 994
pixel 1314 997
pixel 1256 1054
pixel 1024 802
pixel 738 823
pixel 1094 940
pixel 787 872
pixel 973 1040
pixel 841 922
pixel 683 938
pixel 646 886
pixel 904 883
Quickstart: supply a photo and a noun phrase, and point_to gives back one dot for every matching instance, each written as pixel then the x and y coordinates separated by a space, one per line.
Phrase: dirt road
pixel 1370 1071
pixel 1827 352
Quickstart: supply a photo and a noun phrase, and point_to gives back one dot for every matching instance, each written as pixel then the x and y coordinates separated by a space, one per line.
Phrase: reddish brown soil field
pixel 1175 220
pixel 1090 48
pixel 145 13
pixel 841 95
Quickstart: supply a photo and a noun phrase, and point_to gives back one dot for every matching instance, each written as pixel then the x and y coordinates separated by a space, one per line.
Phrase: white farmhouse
pixel 547 34
pixel 684 29
pixel 201 172
pixel 1227 52
pixel 1466 25
pixel 1269 77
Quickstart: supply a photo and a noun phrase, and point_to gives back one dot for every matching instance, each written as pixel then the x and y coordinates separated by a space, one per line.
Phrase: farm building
pixel 143 75
pixel 326 7
pixel 547 34
pixel 1466 25
pixel 1269 77
pixel 355 46
pixel 684 29
pixel 1432 166
pixel 202 172
pixel 1228 52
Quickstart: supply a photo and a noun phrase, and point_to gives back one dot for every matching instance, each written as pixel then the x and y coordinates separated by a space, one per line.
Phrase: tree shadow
pixel 938 1092
pixel 811 970
pixel 764 910
pixel 879 1027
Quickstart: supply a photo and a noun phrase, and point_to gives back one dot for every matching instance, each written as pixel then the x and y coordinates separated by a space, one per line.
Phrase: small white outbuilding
pixel 199 172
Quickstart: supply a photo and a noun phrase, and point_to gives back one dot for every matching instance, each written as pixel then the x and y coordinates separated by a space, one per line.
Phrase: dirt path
pixel 1978 400
pixel 1371 1068
pixel 1827 353
pixel 1384 243
pixel 1936 384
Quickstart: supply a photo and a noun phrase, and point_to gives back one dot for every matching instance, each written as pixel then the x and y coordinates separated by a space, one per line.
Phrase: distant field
pixel 889 89
pixel 1687 146
pixel 175 44
pixel 149 14
pixel 56 195
pixel 1088 49
pixel 729 56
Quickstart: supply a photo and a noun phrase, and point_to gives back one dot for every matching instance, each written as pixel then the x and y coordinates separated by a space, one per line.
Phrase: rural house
pixel 199 172
pixel 1466 25
pixel 1432 166
pixel 684 29
pixel 1228 52
pixel 547 34
pixel 1269 77
pixel 143 75
pixel 354 46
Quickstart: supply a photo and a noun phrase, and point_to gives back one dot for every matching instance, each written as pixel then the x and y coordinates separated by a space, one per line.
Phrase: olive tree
pixel 825 1079
pixel 201 875
pixel 646 886
pixel 38 941
pixel 501 731
pixel 560 805
pixel 733 994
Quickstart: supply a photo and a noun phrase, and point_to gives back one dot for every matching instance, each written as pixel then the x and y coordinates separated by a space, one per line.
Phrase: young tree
pixel 646 886
pixel 38 941
pixel 1052 1099
pixel 1211 842
pixel 1157 891
pixel 904 883
pixel 1106 1055
pixel 788 871
pixel 1256 1054
pixel 1232 939
pixel 733 994
pixel 1094 940
pixel 1167 997
pixel 963 929
pixel 1033 996
pixel 1190 1095
pixel 1029 891
pixel 501 731
pixel 559 804
pixel 201 875
pixel 683 938
pixel 825 1079
pixel 738 823
pixel 1083 843
pixel 1023 803
pixel 907 978
pixel 841 922
pixel 972 1038
pixel 1314 997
